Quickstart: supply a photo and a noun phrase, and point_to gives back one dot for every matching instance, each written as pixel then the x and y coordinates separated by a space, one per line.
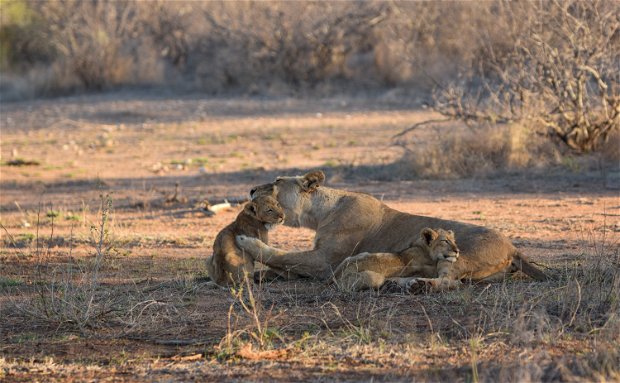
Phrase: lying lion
pixel 431 255
pixel 349 223
pixel 229 264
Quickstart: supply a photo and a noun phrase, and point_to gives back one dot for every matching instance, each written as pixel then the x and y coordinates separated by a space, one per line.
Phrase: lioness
pixel 431 255
pixel 229 264
pixel 349 223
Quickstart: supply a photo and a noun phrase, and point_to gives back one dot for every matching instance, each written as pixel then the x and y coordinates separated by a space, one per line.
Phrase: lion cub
pixel 229 264
pixel 431 256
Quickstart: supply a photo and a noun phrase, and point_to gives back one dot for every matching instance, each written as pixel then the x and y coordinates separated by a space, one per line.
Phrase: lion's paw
pixel 250 244
pixel 391 286
pixel 246 242
pixel 417 286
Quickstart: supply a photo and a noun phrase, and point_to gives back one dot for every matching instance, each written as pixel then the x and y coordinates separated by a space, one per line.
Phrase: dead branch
pixel 417 125
pixel 560 80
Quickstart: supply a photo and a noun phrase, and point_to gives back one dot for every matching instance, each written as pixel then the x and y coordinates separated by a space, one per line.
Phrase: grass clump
pixel 455 152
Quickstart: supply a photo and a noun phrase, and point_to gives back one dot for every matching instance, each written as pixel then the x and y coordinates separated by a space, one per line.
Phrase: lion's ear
pixel 251 208
pixel 429 235
pixel 311 181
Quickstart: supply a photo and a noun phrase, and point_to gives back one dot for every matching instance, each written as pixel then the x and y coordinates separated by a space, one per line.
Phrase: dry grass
pixel 464 330
pixel 456 152
pixel 146 313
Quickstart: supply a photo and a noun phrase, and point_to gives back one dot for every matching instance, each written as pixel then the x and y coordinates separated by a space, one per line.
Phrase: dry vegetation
pixel 99 316
pixel 104 238
pixel 556 72
pixel 104 230
pixel 547 71
pixel 218 46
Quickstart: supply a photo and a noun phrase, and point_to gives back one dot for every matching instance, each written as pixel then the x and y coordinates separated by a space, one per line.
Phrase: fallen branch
pixel 214 209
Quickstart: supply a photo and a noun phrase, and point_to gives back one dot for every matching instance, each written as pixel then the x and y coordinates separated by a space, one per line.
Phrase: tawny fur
pixel 348 223
pixel 431 255
pixel 229 264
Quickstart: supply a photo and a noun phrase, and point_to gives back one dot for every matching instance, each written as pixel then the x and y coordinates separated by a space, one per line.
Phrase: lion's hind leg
pixel 357 281
pixel 367 271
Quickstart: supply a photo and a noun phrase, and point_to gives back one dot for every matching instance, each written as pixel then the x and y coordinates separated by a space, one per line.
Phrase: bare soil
pixel 137 149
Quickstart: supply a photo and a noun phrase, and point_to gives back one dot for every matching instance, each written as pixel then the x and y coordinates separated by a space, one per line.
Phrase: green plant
pixel 72 217
pixel 52 214
pixel 10 282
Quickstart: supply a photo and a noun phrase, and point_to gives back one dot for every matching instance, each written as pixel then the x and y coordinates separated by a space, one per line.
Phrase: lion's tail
pixel 526 267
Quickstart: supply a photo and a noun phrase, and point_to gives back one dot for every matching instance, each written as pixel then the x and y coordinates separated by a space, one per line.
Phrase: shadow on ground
pixel 386 182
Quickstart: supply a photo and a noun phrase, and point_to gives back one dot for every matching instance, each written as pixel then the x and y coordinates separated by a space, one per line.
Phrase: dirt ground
pixel 163 323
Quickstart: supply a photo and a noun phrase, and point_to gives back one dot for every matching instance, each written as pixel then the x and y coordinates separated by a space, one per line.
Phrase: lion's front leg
pixel 256 248
pixel 312 263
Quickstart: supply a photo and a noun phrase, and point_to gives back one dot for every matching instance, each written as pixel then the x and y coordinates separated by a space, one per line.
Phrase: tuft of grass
pixel 72 217
pixel 21 162
pixel 6 282
pixel 217 139
pixel 52 214
pixel 200 161
pixel 19 240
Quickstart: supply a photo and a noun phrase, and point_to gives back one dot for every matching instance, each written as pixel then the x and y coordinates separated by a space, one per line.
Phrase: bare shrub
pixel 557 73
pixel 296 43
pixel 166 24
pixel 88 37
pixel 257 46
pixel 91 45
pixel 611 149
pixel 20 44
pixel 426 40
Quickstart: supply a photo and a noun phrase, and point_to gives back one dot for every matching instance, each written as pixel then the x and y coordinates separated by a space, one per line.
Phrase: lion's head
pixel 291 192
pixel 267 210
pixel 440 243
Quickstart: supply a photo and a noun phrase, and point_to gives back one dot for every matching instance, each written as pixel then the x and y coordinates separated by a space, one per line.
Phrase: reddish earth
pixel 170 326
